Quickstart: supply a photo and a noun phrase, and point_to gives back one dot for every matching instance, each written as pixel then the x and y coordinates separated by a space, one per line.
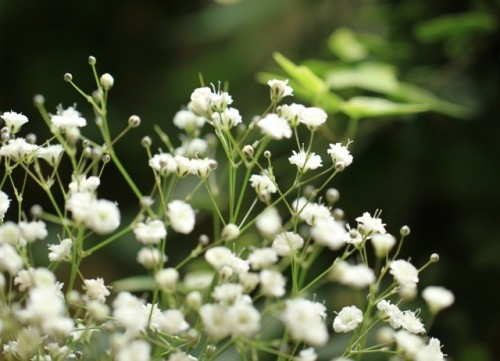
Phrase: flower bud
pixel 107 81
pixel 134 121
pixel 146 142
pixel 92 60
pixel 404 231
pixel 38 100
pixel 31 138
pixel 434 258
pixel 267 154
pixel 332 195
pixel 36 210
pixel 248 150
pixel 230 232
pixel 194 299
pixel 68 77
pixel 203 240
pixel 106 158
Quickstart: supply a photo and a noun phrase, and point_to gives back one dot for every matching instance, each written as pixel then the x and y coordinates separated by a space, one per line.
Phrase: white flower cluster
pixel 258 274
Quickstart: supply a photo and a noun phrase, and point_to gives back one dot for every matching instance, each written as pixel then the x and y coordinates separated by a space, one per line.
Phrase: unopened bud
pixel 36 210
pixel 434 258
pixel 146 142
pixel 203 240
pixel 404 231
pixel 134 121
pixel 92 60
pixel 267 154
pixel 106 158
pixel 107 81
pixel 31 138
pixel 248 150
pixel 332 195
pixel 338 214
pixel 38 100
pixel 68 77
pixel 230 232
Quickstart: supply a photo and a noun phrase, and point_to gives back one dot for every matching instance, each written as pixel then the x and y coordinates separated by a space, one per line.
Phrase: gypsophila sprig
pixel 252 232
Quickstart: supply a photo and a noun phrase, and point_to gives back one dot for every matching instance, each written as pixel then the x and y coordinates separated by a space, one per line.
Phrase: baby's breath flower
pixel 10 233
pixel 368 224
pixel 304 320
pixel 151 232
pixel 310 212
pixel 68 118
pixel 279 89
pixel 227 293
pixel 14 121
pixel 167 278
pixel 347 319
pixel 329 232
pixel 287 243
pixel 181 216
pixel 382 243
pixel 227 118
pixel 4 204
pixel 404 273
pixel 308 354
pixel 96 289
pixel 128 312
pixel 261 258
pixel 200 101
pixel 272 283
pixel 437 298
pixel 10 260
pixel 305 161
pixel 274 126
pixel 263 184
pixel 150 257
pixel 269 223
pixel 291 113
pixel 230 232
pixel 188 120
pixel 102 216
pixel 107 81
pixel 357 276
pixel 430 352
pixel 136 350
pixel 164 163
pixel 181 356
pixel 50 153
pixel 408 343
pixel 341 156
pixel 244 319
pixel 18 149
pixel 312 117
pixel 215 319
pixel 60 252
pixel 32 231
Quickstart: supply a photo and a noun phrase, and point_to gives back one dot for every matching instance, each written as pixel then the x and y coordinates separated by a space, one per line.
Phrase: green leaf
pixel 344 44
pixel 135 284
pixel 371 107
pixel 455 25
pixel 377 77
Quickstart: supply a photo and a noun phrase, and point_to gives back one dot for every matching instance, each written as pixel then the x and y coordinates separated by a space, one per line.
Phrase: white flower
pixel 67 118
pixel 227 293
pixel 10 260
pixel 172 322
pixel 60 252
pixel 10 233
pixel 262 258
pixel 226 119
pixel 287 243
pixel 14 121
pixel 102 216
pixel 347 319
pixel 151 232
pixel 412 323
pixel 244 319
pixel 80 183
pixel 430 352
pixel 202 167
pixel 230 232
pixel 221 257
pixel 397 318
pixel 150 257
pixel 341 157
pixel 291 112
pixel 4 204
pixel 404 273
pixel 437 298
pixel 370 224
pixel 310 212
pixel 51 153
pixel 164 163
pixel 216 322
pixel 305 161
pixel 181 216
pixel 409 343
pixel 328 232
pixel 136 350
pixel 39 277
pixel 357 276
pixel 107 81
pixel 32 231
pixel 269 222
pixel 192 147
pixel 186 119
pixel 200 101
pixel 181 356
pixel 304 320
pixel 167 278
pixel 382 243
pixel 18 149
pixel 96 289
pixel 272 283
pixel 263 185
pixel 219 101
pixel 312 117
pixel 274 126
pixel 279 89
pixel 307 354
pixel 128 312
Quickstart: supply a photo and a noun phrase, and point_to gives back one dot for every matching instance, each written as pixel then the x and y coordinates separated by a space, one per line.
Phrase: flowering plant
pixel 258 285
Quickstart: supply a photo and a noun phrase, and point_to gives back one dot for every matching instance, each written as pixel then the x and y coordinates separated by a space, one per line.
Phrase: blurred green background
pixel 438 174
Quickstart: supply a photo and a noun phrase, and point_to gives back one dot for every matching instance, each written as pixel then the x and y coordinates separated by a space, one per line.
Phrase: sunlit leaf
pixel 344 44
pixel 370 107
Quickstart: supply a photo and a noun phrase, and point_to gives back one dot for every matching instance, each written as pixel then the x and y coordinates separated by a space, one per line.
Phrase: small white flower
pixel 128 312
pixel 181 216
pixel 274 126
pixel 50 153
pixel 67 118
pixel 430 352
pixel 202 167
pixel 279 89
pixel 329 232
pixel 263 184
pixel 164 163
pixel 305 161
pixel 382 243
pixel 102 216
pixel 287 243
pixel 341 157
pixel 272 283
pixel 226 119
pixel 18 149
pixel 262 258
pixel 219 256
pixel 167 278
pixel 409 343
pixel 200 101
pixel 136 350
pixel 186 119
pixel 151 232
pixel 32 231
pixel 215 319
pixel 80 183
pixel 392 312
pixel 193 147
pixel 4 204
pixel 10 260
pixel 308 354
pixel 14 121
pixel 219 101
pixel 368 224
pixel 291 113
pixel 107 81
pixel 404 273
pixel 150 257
pixel 412 323
pixel 172 322
pixel 357 276
pixel 244 319
pixel 310 212
pixel 437 298
pixel 181 356
pixel 10 233
pixel 96 289
pixel 304 320
pixel 312 117
pixel 60 252
pixel 227 293
pixel 39 277
pixel 269 223
pixel 347 319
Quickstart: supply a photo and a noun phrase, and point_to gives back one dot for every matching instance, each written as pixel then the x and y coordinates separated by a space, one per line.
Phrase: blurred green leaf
pixel 134 284
pixel 345 44
pixel 455 25
pixel 378 77
pixel 370 107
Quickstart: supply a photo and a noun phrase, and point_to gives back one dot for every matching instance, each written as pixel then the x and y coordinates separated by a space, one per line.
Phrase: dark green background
pixel 437 174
